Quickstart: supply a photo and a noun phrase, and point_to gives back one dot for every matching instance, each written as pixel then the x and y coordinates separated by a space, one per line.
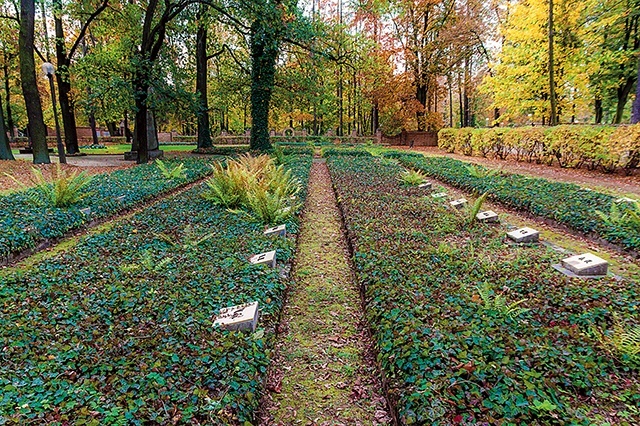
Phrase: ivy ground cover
pixel 119 330
pixel 565 203
pixel 25 224
pixel 440 298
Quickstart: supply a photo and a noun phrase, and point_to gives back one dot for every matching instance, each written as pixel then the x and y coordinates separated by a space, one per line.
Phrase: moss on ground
pixel 322 376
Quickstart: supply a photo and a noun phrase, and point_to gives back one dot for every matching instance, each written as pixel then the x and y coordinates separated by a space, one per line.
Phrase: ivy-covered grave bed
pixel 120 329
pixel 565 203
pixel 27 218
pixel 472 330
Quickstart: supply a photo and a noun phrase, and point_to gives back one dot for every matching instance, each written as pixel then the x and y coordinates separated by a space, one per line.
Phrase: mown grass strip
pixel 119 329
pixel 321 371
pixel 471 329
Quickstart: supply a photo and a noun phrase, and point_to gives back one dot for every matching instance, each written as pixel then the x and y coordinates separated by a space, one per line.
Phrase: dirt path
pixel 610 183
pixel 324 372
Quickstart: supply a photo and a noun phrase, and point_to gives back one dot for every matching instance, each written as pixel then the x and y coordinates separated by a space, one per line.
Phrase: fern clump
pixel 256 185
pixel 477 205
pixel 65 189
pixel 176 172
pixel 622 342
pixel 624 217
pixel 411 177
pixel 481 172
pixel 498 302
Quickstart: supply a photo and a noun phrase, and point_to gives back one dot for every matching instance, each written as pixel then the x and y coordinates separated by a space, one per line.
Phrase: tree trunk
pixel 599 110
pixel 94 131
pixel 64 83
pixel 375 118
pixel 127 131
pixel 140 143
pixel 204 130
pixel 623 95
pixel 635 109
pixel 552 85
pixel 7 89
pixel 264 53
pixel 421 96
pixel 37 129
pixel 5 148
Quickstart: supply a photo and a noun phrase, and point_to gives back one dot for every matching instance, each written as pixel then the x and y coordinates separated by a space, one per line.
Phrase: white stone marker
pixel 241 317
pixel 120 198
pixel 586 264
pixel 487 216
pixel 626 200
pixel 279 231
pixel 439 195
pixel 459 203
pixel 268 258
pixel 524 235
pixel 426 185
pixel 86 211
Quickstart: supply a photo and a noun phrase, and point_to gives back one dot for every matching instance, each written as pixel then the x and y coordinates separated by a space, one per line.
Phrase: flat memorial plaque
pixel 241 317
pixel 268 258
pixel 439 195
pixel 426 185
pixel 487 216
pixel 459 203
pixel 279 231
pixel 86 211
pixel 586 265
pixel 626 200
pixel 524 235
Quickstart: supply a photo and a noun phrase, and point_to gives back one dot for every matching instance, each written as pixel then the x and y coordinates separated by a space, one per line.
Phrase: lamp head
pixel 48 69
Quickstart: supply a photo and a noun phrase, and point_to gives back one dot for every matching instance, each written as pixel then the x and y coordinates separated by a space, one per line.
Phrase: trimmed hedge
pixel 565 203
pixel 90 338
pixel 606 148
pixel 24 225
pixel 449 359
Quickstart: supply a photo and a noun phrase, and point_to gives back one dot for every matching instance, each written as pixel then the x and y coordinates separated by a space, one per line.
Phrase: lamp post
pixel 49 70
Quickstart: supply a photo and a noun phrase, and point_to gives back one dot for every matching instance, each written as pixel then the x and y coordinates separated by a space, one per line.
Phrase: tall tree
pixel 204 129
pixel 37 129
pixel 553 117
pixel 63 73
pixel 635 111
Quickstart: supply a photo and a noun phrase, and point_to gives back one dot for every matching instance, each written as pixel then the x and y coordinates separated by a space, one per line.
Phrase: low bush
pixel 25 224
pixel 470 330
pixel 257 184
pixel 119 329
pixel 606 148
pixel 565 203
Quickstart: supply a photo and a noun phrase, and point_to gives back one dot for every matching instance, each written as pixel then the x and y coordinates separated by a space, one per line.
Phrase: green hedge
pixel 448 358
pixel 565 203
pixel 89 338
pixel 606 148
pixel 24 225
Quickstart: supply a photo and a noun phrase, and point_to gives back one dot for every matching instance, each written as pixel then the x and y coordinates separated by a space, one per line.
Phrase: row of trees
pixel 224 65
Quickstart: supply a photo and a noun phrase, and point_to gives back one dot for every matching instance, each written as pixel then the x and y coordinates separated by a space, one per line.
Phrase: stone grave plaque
pixel 439 195
pixel 524 235
pixel 240 317
pixel 459 203
pixel 120 198
pixel 586 265
pixel 86 211
pixel 487 216
pixel 426 185
pixel 279 231
pixel 626 200
pixel 268 258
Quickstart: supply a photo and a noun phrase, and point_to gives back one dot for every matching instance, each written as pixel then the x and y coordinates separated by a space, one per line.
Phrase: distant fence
pixel 406 138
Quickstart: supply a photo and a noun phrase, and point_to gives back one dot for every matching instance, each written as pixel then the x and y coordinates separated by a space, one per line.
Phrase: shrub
pixel 176 172
pixel 607 148
pixel 411 177
pixel 65 189
pixel 255 184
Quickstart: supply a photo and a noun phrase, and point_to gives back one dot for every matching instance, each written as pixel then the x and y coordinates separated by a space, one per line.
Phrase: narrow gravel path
pixel 324 372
